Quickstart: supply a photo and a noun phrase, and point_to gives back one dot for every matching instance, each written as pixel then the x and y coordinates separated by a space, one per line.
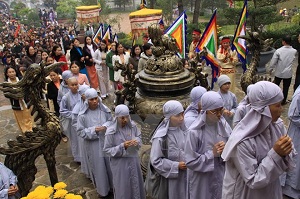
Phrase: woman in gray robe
pixel 204 144
pixel 291 179
pixel 171 164
pixel 82 152
pixel 192 111
pixel 258 150
pixel 93 120
pixel 8 183
pixel 122 144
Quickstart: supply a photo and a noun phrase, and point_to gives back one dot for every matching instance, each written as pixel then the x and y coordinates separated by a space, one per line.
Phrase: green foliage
pixel 191 27
pixel 277 34
pixel 48 3
pixel 17 6
pixel 67 9
pixel 89 2
pixel 29 17
pixel 125 39
pixel 296 19
pixel 167 8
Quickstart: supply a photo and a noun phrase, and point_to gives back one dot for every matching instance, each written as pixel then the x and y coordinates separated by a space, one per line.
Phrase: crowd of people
pixel 216 148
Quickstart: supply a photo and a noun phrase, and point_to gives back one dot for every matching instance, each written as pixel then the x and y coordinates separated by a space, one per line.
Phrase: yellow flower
pixel 72 196
pixel 49 190
pixel 77 197
pixel 60 185
pixel 60 193
pixel 24 198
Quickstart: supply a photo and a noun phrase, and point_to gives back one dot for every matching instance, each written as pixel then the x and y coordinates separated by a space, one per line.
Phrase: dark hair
pixel 73 40
pixel 106 48
pixel 75 62
pixel 132 54
pixel 287 39
pixel 54 49
pixel 87 37
pixel 5 72
pixel 57 70
pixel 117 45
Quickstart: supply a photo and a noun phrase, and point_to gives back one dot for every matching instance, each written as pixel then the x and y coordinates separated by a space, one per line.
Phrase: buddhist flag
pixel 99 34
pixel 239 44
pixel 209 40
pixel 178 31
pixel 161 24
pixel 116 38
pixel 17 31
pixel 107 34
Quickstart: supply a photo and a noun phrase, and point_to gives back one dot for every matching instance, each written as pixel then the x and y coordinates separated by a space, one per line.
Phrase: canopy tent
pixel 141 19
pixel 88 14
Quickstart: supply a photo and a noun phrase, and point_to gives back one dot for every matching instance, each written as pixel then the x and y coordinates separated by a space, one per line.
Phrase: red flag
pixel 17 31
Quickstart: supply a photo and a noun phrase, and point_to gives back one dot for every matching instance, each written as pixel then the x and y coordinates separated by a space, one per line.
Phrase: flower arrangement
pixel 58 191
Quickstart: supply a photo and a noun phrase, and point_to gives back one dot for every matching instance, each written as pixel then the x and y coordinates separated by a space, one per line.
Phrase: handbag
pixel 156 186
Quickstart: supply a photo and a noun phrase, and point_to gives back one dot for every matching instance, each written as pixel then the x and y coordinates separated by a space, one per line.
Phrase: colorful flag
pixel 133 41
pixel 209 40
pixel 239 44
pixel 107 34
pixel 161 24
pixel 178 31
pixel 99 34
pixel 116 38
pixel 17 31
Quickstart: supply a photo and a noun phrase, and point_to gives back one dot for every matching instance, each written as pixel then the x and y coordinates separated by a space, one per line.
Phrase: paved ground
pixel 68 171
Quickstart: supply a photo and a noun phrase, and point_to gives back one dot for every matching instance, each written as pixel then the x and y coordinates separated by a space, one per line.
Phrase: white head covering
pixel 223 79
pixel 245 101
pixel 90 94
pixel 120 111
pixel 82 89
pixel 211 100
pixel 261 95
pixel 66 75
pixel 170 108
pixel 195 96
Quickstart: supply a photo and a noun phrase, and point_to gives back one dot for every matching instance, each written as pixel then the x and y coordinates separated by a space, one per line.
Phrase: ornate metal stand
pixel 44 138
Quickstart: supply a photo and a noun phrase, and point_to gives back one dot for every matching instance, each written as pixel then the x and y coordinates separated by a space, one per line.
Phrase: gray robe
pixel 125 163
pixel 291 180
pixel 168 166
pixel 98 163
pixel 67 104
pixel 190 116
pixel 253 170
pixel 205 172
pixel 230 103
pixel 82 151
pixel 7 177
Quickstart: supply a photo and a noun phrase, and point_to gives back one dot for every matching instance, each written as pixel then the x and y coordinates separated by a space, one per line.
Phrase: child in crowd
pixel 167 152
pixel 204 144
pixel 82 78
pixel 229 98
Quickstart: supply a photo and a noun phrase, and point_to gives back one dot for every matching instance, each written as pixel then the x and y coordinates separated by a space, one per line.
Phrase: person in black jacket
pixel 52 89
pixel 76 54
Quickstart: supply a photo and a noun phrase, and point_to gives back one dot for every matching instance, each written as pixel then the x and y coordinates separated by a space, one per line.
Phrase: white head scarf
pixel 90 94
pixel 66 75
pixel 195 96
pixel 245 101
pixel 170 108
pixel 81 90
pixel 211 100
pixel 120 111
pixel 261 95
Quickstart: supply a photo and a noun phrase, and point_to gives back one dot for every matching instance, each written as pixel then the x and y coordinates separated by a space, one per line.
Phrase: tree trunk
pixel 180 6
pixel 196 11
pixel 152 2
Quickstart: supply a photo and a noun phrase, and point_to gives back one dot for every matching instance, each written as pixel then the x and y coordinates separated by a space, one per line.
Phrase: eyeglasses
pixel 216 112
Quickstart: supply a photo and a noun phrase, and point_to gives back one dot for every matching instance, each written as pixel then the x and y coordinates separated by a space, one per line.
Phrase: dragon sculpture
pixel 43 139
pixel 255 45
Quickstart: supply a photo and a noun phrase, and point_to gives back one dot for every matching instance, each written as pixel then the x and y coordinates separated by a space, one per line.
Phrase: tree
pixel 180 6
pixel 29 17
pixel 17 6
pixel 197 11
pixel 48 3
pixel 67 8
pixel 89 2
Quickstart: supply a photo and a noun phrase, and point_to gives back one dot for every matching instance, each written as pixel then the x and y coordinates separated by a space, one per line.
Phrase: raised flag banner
pixel 178 31
pixel 99 34
pixel 116 39
pixel 161 23
pixel 107 34
pixel 133 41
pixel 239 44
pixel 209 40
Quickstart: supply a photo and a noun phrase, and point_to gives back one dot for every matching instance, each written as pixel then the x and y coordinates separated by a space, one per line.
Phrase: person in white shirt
pixel 282 62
